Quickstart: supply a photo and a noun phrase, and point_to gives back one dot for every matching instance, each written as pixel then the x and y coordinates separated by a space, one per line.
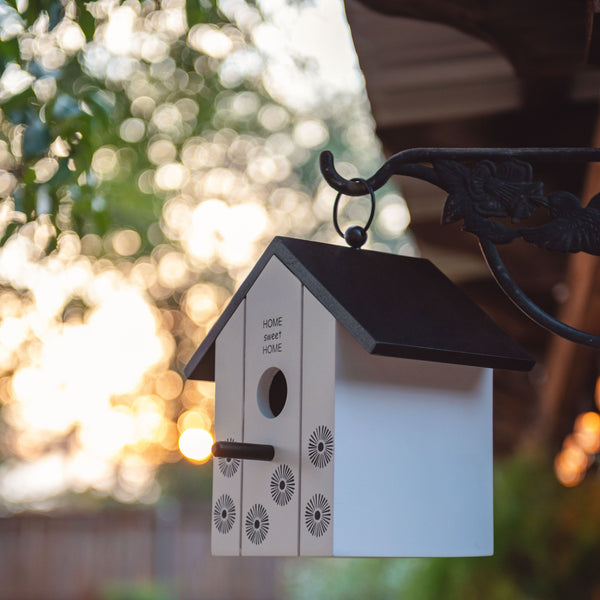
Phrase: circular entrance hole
pixel 272 392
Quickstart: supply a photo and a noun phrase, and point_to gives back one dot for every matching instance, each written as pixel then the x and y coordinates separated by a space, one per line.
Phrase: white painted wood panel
pixel 273 343
pixel 229 404
pixel 413 466
pixel 317 430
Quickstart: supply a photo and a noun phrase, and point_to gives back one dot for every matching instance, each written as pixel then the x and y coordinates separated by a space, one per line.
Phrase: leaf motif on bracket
pixel 490 189
pixel 503 189
pixel 573 228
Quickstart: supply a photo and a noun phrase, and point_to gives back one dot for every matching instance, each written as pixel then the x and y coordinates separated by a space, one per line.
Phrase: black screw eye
pixel 355 236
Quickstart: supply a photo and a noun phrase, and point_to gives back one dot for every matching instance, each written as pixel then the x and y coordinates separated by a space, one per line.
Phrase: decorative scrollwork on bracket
pixel 500 185
pixel 489 190
pixel 506 189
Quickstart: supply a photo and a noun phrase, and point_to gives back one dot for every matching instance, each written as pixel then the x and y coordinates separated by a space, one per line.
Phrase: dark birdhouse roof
pixel 392 305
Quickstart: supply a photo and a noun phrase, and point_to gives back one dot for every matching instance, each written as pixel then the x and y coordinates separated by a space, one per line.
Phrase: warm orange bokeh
pixel 574 459
pixel 195 444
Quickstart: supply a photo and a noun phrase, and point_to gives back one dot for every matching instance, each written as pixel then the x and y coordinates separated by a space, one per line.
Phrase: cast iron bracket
pixel 497 183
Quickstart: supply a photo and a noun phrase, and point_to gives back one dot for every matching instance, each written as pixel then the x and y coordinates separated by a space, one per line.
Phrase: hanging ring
pixel 355 235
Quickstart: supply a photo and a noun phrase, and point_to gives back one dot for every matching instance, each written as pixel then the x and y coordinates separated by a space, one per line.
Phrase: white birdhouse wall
pixel 318 389
pixel 273 348
pixel 411 474
pixel 227 472
pixel 281 507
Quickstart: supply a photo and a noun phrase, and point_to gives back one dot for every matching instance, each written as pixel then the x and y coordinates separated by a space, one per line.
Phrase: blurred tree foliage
pixel 53 127
pixel 146 159
pixel 82 117
pixel 546 547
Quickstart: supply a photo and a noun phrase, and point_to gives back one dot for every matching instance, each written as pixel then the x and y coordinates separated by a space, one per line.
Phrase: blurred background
pixel 149 151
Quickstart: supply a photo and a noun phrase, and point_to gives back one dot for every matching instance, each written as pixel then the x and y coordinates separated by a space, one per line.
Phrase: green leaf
pixel 53 8
pixel 32 12
pixel 197 11
pixel 191 12
pixel 101 103
pixel 28 176
pixel 85 20
pixel 29 200
pixel 10 229
pixel 9 52
pixel 63 172
pixel 36 139
pixel 18 109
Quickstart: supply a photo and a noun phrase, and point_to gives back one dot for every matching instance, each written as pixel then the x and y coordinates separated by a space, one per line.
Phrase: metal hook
pixel 355 236
pixel 504 189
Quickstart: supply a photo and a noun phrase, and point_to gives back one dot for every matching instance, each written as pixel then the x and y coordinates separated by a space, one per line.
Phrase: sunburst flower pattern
pixel 224 514
pixel 320 446
pixel 283 485
pixel 317 515
pixel 257 524
pixel 229 466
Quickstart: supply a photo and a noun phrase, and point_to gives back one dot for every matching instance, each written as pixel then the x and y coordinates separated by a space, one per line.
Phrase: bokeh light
pixel 196 444
pixel 568 469
pixel 579 448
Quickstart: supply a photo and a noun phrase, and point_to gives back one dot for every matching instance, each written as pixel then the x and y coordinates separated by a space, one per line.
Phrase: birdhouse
pixel 353 408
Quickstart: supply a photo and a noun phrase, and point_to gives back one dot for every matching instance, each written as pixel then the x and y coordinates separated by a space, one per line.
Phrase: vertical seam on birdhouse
pixel 243 423
pixel 301 388
pixel 334 431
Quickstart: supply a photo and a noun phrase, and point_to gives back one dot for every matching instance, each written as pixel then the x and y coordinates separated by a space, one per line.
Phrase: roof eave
pixel 521 363
pixel 202 364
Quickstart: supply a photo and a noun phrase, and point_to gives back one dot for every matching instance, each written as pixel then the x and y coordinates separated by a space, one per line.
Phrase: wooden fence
pixel 93 556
